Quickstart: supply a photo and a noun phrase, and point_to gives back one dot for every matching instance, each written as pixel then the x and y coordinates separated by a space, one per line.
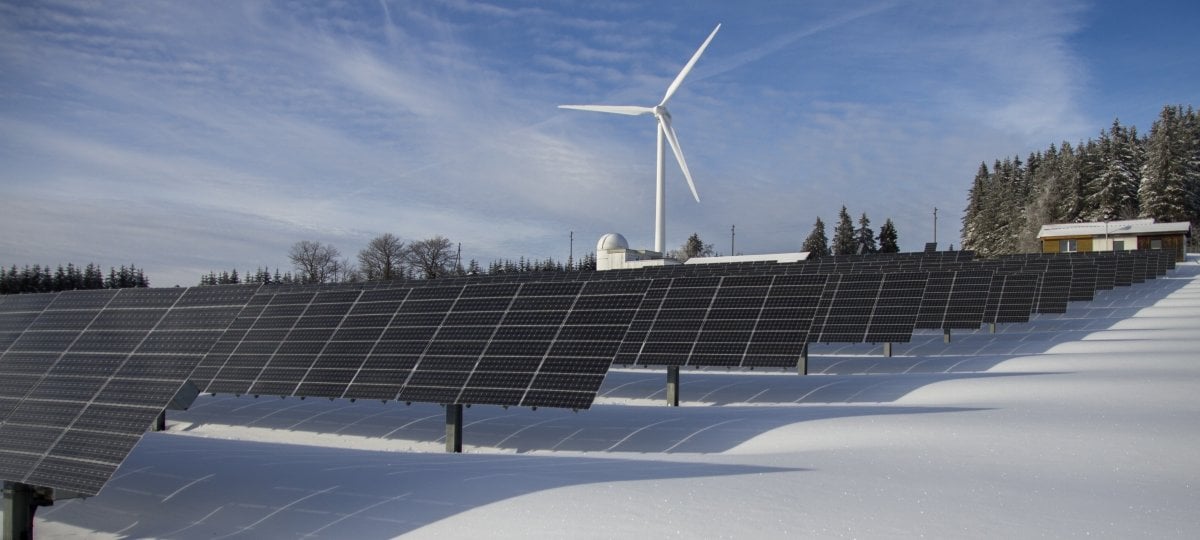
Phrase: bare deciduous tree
pixel 315 262
pixel 383 258
pixel 432 257
pixel 344 271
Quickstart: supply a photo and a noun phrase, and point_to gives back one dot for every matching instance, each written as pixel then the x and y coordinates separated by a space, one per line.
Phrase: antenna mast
pixel 935 224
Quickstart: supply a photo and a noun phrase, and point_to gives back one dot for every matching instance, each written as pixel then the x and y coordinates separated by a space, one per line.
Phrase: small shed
pixel 1115 236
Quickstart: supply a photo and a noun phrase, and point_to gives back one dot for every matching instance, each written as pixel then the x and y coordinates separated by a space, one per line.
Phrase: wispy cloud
pixel 218 135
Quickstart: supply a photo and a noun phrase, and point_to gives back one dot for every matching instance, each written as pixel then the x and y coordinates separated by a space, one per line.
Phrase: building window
pixel 1066 246
pixel 1156 243
pixel 1118 245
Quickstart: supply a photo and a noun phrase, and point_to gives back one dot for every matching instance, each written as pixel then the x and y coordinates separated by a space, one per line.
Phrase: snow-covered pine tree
pixel 1042 206
pixel 1163 194
pixel 843 234
pixel 1113 191
pixel 1191 136
pixel 817 245
pixel 888 241
pixel 1067 190
pixel 972 232
pixel 1088 164
pixel 865 236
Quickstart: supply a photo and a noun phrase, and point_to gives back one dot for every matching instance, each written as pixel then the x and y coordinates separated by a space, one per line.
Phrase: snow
pixel 1080 424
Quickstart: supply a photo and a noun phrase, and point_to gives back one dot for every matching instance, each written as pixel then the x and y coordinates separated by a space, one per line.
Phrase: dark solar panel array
pixel 537 344
pixel 730 321
pixel 1084 280
pixel 84 373
pixel 91 373
pixel 1106 273
pixel 1011 298
pixel 954 299
pixel 869 308
pixel 17 311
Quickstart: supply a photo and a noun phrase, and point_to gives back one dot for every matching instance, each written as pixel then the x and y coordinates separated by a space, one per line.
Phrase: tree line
pixel 1121 175
pixel 40 279
pixel 851 240
pixel 387 257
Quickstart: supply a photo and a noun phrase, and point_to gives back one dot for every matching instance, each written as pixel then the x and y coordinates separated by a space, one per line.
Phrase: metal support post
pixel 673 386
pixel 945 335
pixel 160 423
pixel 991 328
pixel 454 425
pixel 802 363
pixel 887 349
pixel 21 501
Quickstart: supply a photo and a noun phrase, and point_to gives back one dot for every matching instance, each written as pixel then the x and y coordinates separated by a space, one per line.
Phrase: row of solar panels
pixel 83 373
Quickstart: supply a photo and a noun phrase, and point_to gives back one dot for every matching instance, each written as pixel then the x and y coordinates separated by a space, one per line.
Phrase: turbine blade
pixel 688 68
pixel 665 125
pixel 631 110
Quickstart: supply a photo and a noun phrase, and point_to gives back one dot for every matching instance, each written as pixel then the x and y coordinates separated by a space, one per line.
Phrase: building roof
pixel 1113 228
pixel 775 257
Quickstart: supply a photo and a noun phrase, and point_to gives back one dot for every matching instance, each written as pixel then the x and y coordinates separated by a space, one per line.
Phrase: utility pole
pixel 732 234
pixel 571 254
pixel 935 224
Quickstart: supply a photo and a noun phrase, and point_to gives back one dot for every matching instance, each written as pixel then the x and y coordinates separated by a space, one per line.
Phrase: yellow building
pixel 1115 236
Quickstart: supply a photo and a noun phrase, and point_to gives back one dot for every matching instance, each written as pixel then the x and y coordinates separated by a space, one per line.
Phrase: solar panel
pixel 1011 298
pixel 869 308
pixel 1141 267
pixel 17 311
pixel 91 373
pixel 1125 267
pixel 1106 271
pixel 954 299
pixel 1054 290
pixel 537 344
pixel 727 321
pixel 1084 279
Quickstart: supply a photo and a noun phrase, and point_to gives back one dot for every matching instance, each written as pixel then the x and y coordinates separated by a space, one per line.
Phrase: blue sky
pixel 193 136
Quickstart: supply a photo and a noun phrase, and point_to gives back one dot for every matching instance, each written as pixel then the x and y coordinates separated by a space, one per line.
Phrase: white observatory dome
pixel 611 241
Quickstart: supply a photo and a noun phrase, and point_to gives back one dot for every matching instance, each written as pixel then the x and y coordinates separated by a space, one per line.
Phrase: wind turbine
pixel 664 131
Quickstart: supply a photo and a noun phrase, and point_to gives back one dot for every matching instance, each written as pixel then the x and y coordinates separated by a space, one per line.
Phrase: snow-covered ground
pixel 1081 424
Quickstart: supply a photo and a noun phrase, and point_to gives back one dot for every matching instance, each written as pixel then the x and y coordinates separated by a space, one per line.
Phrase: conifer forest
pixel 1121 175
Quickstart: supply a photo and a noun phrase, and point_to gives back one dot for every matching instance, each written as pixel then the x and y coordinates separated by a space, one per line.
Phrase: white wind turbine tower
pixel 664 130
